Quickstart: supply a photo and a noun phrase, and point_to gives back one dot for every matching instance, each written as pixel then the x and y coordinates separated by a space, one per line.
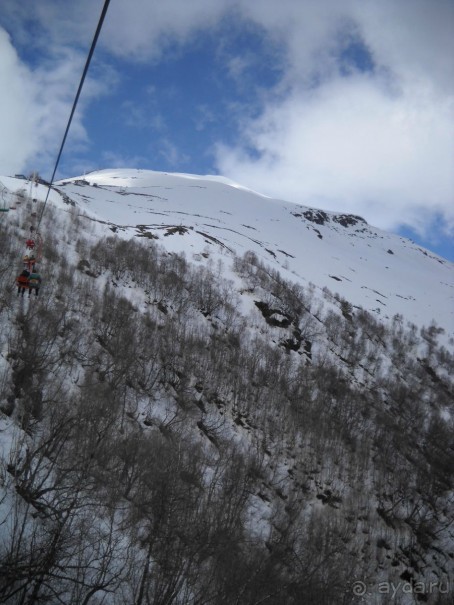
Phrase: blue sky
pixel 345 106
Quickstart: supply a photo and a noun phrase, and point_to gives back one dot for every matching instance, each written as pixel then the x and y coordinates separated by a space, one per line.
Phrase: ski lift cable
pixel 81 83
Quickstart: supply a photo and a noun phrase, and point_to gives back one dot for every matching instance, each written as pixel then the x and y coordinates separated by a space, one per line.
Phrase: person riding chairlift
pixel 34 282
pixel 22 282
pixel 29 261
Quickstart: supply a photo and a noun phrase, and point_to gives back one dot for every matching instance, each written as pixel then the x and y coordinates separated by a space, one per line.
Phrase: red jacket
pixel 22 281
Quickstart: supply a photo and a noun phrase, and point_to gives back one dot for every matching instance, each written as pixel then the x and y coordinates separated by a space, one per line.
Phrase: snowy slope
pixel 382 272
pixel 336 428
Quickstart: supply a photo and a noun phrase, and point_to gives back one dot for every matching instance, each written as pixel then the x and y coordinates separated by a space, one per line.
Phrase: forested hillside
pixel 170 436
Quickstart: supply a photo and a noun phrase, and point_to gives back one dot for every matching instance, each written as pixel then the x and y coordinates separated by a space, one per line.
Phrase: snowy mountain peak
pixel 130 177
pixel 212 216
pixel 384 273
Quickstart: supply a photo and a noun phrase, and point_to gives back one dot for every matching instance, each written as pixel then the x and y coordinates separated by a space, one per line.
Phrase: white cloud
pixel 380 143
pixel 36 101
pixel 16 119
pixel 144 30
pixel 350 145
pixel 34 105
pixel 413 39
pixel 38 25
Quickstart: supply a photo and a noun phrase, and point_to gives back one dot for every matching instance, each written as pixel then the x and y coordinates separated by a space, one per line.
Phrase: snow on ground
pixel 384 273
pixel 207 218
pixel 211 217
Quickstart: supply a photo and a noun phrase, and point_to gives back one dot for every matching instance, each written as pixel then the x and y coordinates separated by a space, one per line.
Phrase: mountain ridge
pixel 382 272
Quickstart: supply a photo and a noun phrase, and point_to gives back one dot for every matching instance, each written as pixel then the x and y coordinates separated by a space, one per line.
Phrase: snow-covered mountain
pixel 384 273
pixel 381 272
pixel 221 398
